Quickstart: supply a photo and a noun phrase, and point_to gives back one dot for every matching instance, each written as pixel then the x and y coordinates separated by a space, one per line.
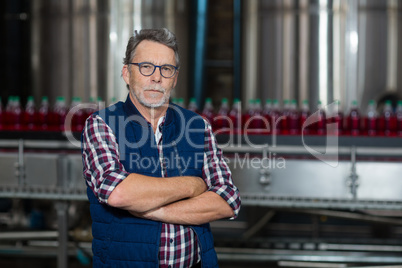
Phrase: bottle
pixel 59 113
pixel 180 102
pixel 1 115
pixel 113 100
pixel 94 107
pixel 304 114
pixel 266 114
pixel 320 125
pixel 248 116
pixel 29 115
pixel 78 116
pixel 43 114
pixel 370 120
pixel 388 122
pixel 100 104
pixel 293 120
pixel 258 119
pixel 235 115
pixel 337 118
pixel 275 116
pixel 221 120
pixel 399 118
pixel 208 111
pixel 192 105
pixel 8 115
pixel 17 113
pixel 14 113
pixel 354 119
pixel 285 117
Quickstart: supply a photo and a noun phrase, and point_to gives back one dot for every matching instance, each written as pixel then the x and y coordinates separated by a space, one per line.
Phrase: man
pixel 155 175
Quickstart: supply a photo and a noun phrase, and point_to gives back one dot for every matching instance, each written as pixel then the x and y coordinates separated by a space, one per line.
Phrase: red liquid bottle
pixel 399 118
pixel 30 115
pixel 354 119
pixel 2 115
pixel 304 115
pixel 180 102
pixel 14 113
pixel 285 117
pixel 208 111
pixel 266 114
pixel 275 118
pixel 235 116
pixel 192 105
pixel 320 125
pixel 371 118
pixel 93 106
pixel 337 118
pixel 43 115
pixel 221 120
pixel 59 114
pixel 293 119
pixel 78 116
pixel 112 101
pixel 388 121
pixel 258 119
pixel 8 113
pixel 248 116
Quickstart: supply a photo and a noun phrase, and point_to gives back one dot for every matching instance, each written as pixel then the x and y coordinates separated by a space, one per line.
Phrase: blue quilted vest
pixel 120 239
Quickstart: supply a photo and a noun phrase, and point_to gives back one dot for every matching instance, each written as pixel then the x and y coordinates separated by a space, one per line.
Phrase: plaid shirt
pixel 103 172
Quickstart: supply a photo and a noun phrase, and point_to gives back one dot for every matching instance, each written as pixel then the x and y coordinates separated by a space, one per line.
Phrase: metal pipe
pixel 200 30
pixel 28 235
pixel 350 215
pixel 237 49
pixel 250 51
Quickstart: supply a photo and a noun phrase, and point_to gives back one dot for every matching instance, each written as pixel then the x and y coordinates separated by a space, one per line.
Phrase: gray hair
pixel 162 36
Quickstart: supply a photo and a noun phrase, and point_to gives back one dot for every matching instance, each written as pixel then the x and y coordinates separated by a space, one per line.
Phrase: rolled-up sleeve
pixel 217 174
pixel 102 168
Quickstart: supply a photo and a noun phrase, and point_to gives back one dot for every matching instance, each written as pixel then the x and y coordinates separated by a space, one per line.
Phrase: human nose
pixel 156 76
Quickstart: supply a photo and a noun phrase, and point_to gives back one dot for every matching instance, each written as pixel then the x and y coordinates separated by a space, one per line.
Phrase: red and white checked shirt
pixel 103 172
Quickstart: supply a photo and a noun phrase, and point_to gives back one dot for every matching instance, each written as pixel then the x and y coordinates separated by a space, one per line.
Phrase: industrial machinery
pixel 333 200
pixel 308 201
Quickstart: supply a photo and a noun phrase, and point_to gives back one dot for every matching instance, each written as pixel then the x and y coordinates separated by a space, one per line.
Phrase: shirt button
pixel 171 240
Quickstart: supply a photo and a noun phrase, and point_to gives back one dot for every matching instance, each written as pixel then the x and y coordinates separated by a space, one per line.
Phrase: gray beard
pixel 141 100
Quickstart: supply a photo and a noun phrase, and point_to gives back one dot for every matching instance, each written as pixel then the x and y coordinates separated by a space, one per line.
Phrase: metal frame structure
pixel 361 174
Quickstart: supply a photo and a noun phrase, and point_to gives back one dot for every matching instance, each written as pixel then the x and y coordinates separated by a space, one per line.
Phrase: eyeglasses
pixel 147 69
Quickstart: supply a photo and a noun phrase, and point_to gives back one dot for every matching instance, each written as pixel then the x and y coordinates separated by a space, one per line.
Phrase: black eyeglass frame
pixel 155 66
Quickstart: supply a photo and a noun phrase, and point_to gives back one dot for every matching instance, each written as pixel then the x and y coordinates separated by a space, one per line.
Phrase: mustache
pixel 158 88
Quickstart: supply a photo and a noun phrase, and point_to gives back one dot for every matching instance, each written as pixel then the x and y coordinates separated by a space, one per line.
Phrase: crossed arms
pixel 177 200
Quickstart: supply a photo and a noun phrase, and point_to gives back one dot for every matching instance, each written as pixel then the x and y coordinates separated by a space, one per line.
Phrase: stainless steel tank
pixel 322 50
pixel 78 45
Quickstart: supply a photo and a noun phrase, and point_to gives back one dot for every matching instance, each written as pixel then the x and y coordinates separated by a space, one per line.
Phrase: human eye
pixel 146 65
pixel 167 68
